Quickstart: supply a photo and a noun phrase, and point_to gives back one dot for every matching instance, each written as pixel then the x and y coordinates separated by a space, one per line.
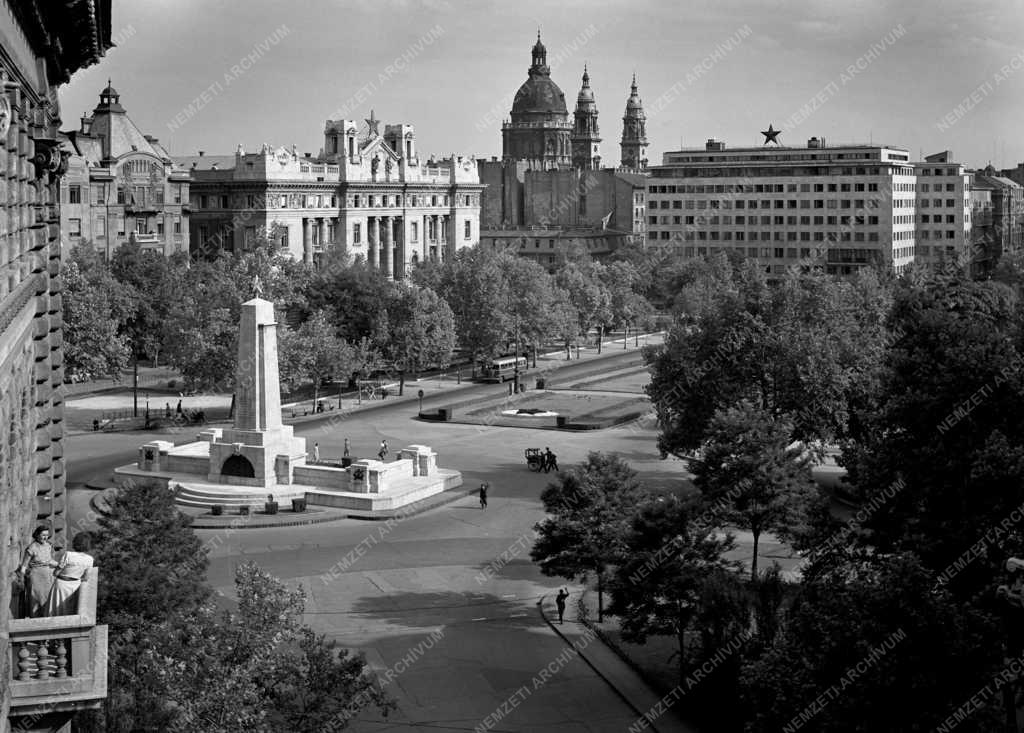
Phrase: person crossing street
pixel 483 495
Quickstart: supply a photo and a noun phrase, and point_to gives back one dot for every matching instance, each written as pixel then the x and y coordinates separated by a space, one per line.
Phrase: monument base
pixel 367 487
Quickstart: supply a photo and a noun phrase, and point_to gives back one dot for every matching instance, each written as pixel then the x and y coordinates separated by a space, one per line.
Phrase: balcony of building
pixel 58 664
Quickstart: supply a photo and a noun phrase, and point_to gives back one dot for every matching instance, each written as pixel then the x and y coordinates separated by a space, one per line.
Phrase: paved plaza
pixel 444 603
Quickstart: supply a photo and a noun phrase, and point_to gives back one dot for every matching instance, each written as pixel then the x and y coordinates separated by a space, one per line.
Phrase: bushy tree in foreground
pixel 589 508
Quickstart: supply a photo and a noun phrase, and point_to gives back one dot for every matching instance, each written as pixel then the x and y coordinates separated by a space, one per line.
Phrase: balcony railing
pixel 58 663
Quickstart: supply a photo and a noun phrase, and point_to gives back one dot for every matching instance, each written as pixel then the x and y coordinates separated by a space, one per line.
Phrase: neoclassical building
pixel 367 193
pixel 55 666
pixel 121 185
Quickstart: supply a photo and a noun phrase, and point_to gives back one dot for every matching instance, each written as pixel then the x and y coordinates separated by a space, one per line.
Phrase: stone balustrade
pixel 59 663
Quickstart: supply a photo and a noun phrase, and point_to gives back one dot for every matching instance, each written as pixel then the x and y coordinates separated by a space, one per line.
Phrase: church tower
pixel 634 132
pixel 586 140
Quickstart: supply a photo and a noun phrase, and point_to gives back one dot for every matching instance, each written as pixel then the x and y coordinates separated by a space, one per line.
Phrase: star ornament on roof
pixel 373 122
pixel 771 136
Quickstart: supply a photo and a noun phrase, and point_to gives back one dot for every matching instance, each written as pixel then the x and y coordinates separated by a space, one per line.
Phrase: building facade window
pixel 414 231
pixel 468 229
pixel 75 227
pixel 74 194
pixel 177 225
pixel 357 232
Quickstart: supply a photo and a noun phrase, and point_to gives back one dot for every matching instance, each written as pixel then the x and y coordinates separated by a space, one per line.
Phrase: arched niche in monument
pixel 238 466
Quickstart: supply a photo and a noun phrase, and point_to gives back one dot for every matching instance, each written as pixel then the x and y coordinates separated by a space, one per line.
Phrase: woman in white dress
pixel 36 572
pixel 71 571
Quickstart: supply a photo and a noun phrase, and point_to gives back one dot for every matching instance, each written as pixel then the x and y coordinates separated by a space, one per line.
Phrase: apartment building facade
pixel 837 208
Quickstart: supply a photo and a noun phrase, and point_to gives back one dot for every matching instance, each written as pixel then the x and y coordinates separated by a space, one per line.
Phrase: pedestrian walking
pixel 560 602
pixel 316 452
pixel 167 411
pixel 345 453
pixel 483 495
pixel 550 460
pixel 382 454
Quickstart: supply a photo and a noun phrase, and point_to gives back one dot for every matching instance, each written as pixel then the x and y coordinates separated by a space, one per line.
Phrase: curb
pixel 235 522
pixel 554 627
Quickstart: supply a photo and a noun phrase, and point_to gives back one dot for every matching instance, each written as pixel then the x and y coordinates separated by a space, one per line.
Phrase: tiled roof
pixel 205 162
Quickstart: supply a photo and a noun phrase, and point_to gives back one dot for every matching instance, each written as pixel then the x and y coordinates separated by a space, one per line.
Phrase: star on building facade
pixel 771 136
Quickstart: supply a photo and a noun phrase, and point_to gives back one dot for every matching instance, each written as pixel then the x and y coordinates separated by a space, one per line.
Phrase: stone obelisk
pixel 257 387
pixel 258 450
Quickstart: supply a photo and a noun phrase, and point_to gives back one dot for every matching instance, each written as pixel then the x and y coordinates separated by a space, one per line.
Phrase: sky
pixel 925 75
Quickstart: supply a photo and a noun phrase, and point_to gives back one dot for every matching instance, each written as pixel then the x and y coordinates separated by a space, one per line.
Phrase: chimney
pixel 202 153
pixel 814 143
pixel 713 144
pixel 86 125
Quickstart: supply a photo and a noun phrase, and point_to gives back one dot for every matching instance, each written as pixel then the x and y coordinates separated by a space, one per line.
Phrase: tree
pixel 154 568
pixel 533 300
pixel 258 668
pixel 948 428
pixel 94 309
pixel 626 306
pixel 154 283
pixel 754 475
pixel 352 293
pixel 882 648
pixel 588 294
pixel 416 331
pixel 671 560
pixel 182 661
pixel 809 347
pixel 475 288
pixel 589 507
pixel 313 352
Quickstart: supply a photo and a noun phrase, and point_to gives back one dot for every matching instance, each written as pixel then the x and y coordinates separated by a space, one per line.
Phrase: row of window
pixel 141 226
pixel 775 188
pixel 138 195
pixel 751 221
pixel 691 236
pixel 320 201
pixel 833 255
pixel 771 171
pixel 703 204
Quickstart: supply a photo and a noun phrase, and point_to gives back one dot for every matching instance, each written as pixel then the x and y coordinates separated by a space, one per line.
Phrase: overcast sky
pixel 927 75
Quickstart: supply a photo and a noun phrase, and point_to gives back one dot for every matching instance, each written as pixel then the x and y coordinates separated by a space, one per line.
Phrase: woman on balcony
pixel 36 572
pixel 70 573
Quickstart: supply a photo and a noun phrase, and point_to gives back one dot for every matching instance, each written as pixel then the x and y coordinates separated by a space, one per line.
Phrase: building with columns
pixel 367 193
pixel 51 667
pixel 121 186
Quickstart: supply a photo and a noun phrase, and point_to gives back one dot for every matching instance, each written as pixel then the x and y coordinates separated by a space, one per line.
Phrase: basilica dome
pixel 539 95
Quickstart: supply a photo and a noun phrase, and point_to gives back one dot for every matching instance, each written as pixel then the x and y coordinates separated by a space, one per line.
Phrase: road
pixel 446 600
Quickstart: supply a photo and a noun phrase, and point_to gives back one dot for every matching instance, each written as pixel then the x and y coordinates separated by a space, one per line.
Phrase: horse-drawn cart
pixel 534 459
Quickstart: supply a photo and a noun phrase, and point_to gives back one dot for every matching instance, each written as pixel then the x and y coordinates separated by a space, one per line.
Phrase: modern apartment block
pixel 839 207
pixel 943 209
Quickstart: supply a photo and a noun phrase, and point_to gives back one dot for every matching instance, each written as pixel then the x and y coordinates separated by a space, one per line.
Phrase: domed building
pixel 540 131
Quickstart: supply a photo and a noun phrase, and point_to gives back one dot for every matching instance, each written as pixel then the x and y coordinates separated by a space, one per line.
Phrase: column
pixel 386 260
pixel 321 226
pixel 371 241
pixel 449 236
pixel 307 241
pixel 401 259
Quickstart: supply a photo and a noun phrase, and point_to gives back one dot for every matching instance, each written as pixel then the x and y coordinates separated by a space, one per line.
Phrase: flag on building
pixel 606 219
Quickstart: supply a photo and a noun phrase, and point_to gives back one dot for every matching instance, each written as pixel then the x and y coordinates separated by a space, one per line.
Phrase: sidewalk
pixel 652 713
pixel 79 420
